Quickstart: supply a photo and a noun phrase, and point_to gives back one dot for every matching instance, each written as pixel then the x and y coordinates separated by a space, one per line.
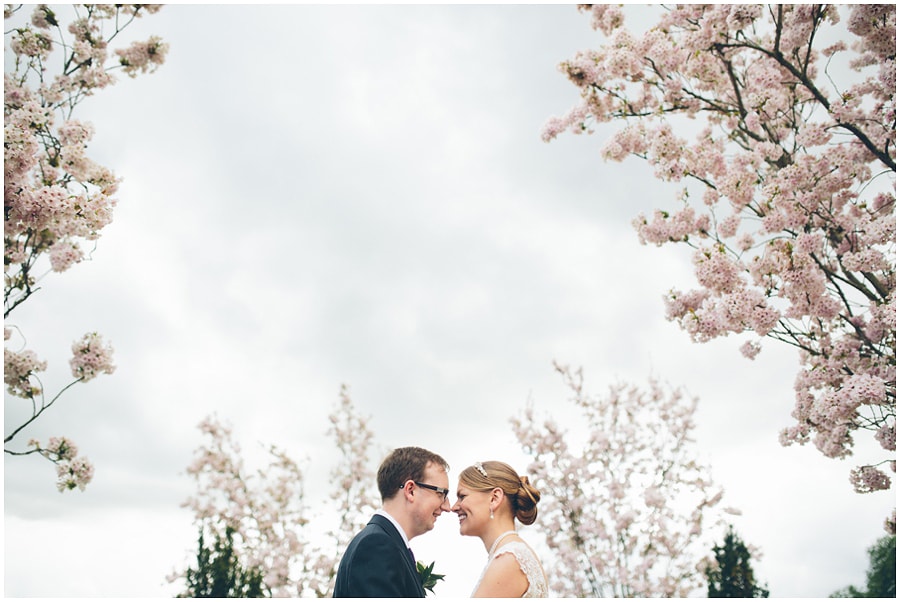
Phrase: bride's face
pixel 473 509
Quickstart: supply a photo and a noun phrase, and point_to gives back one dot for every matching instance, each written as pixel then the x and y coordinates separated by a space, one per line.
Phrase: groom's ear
pixel 407 490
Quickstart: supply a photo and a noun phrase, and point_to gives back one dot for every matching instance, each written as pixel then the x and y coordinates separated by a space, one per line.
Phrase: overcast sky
pixel 316 196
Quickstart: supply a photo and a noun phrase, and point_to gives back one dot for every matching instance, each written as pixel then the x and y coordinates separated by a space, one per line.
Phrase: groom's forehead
pixel 437 474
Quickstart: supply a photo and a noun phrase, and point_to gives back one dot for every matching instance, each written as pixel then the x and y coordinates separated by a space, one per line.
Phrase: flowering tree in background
pixel 625 513
pixel 262 516
pixel 55 197
pixel 789 201
pixel 264 510
pixel 353 479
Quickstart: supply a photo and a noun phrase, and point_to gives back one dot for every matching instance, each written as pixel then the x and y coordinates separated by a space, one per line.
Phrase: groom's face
pixel 431 504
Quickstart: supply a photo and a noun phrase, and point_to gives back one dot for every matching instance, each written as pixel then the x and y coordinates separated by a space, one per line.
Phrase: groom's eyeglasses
pixel 440 490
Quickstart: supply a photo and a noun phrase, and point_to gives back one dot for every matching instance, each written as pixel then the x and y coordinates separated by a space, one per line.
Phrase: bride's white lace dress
pixel 530 565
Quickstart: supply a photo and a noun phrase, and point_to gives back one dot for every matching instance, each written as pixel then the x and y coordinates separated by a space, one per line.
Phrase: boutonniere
pixel 428 576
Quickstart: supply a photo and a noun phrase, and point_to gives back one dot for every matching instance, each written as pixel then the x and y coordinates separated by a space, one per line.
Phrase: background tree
pixel 260 519
pixel 264 510
pixel 353 478
pixel 730 574
pixel 881 578
pixel 55 197
pixel 219 573
pixel 624 513
pixel 788 200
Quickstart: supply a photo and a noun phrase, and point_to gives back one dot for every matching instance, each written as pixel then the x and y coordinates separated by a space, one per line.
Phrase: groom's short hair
pixel 405 464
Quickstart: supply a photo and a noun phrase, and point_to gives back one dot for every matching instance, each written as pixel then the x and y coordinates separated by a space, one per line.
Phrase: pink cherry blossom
pixel 143 57
pixel 626 512
pixel 19 373
pixel 273 526
pixel 869 478
pixel 91 357
pixel 750 349
pixel 64 254
pixel 62 447
pixel 72 471
pixel 55 195
pixel 54 192
pixel 77 472
pixel 795 234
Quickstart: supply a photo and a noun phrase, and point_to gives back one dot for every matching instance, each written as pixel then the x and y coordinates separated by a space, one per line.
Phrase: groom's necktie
pixel 411 556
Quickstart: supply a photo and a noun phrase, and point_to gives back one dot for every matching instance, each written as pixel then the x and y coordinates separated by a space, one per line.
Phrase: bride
pixel 490 496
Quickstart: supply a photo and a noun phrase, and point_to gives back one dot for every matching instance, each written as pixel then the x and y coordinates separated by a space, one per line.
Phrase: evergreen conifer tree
pixel 219 574
pixel 881 578
pixel 732 576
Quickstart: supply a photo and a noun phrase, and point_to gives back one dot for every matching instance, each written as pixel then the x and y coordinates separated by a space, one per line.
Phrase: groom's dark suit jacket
pixel 377 564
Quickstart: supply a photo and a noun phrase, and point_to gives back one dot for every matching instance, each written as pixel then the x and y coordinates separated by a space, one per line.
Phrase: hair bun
pixel 527 499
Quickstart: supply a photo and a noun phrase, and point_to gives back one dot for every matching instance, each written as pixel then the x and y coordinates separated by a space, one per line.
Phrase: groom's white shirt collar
pixel 394 522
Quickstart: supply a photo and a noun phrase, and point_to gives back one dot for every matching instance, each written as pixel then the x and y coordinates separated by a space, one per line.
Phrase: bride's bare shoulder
pixel 502 579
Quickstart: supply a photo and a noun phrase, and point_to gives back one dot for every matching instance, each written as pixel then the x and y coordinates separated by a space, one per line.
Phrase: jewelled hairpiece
pixel 480 468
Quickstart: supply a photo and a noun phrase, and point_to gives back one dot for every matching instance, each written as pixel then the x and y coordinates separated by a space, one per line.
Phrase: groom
pixel 379 563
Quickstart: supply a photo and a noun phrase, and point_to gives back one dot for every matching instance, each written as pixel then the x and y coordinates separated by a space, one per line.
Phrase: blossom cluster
pixel 91 357
pixel 869 478
pixel 789 186
pixel 71 470
pixel 143 57
pixel 70 474
pixel 56 198
pixel 626 510
pixel 19 368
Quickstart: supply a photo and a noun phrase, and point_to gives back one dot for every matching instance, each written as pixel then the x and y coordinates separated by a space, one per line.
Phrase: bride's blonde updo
pixel 522 495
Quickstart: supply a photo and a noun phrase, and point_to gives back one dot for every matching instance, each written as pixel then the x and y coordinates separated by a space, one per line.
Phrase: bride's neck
pixel 495 530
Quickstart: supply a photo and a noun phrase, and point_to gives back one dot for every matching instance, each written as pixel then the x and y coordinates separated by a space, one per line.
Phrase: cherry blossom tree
pixel 56 199
pixel 626 510
pixel 264 516
pixel 264 509
pixel 788 189
pixel 353 479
